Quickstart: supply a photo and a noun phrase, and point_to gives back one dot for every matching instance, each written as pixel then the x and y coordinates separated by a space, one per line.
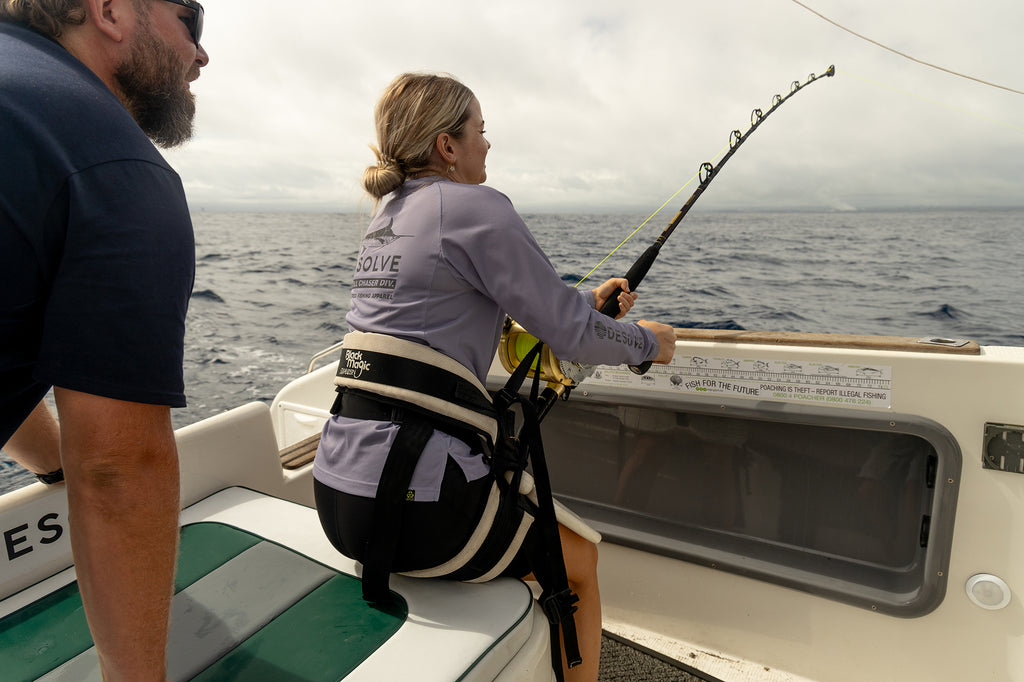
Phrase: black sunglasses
pixel 195 25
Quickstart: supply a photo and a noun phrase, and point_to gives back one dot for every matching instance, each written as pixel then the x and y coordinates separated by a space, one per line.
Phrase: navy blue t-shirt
pixel 97 255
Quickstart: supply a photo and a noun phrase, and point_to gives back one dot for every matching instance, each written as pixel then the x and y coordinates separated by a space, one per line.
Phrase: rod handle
pixel 635 275
pixel 641 368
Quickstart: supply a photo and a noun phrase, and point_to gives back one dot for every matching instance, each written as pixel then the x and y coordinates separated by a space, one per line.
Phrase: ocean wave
pixel 787 315
pixel 732 325
pixel 333 328
pixel 944 312
pixel 212 258
pixel 207 295
pixel 713 291
pixel 801 272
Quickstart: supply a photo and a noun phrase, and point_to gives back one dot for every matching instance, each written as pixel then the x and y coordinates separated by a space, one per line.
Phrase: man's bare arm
pixel 36 443
pixel 121 468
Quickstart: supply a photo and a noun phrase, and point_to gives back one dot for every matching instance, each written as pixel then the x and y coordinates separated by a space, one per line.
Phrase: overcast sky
pixel 609 106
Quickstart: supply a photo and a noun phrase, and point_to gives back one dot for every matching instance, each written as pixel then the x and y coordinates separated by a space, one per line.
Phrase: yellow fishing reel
pixel 515 345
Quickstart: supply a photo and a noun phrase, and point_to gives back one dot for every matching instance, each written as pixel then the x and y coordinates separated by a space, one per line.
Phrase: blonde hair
pixel 49 17
pixel 412 112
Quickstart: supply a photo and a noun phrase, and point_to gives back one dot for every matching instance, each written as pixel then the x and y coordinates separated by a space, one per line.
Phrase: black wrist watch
pixel 52 477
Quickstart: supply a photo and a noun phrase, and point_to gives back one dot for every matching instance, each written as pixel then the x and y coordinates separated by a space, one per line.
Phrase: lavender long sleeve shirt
pixel 441 264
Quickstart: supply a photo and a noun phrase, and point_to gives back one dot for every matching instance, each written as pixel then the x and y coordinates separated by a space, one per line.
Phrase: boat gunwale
pixel 820 340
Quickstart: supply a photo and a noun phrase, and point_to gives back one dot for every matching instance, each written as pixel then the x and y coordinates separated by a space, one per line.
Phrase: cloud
pixel 611 106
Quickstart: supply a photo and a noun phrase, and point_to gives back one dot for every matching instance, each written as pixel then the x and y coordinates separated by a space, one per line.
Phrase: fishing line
pixel 907 56
pixel 932 101
pixel 644 223
pixel 697 174
pixel 708 171
pixel 873 42
pixel 516 343
pixel 640 226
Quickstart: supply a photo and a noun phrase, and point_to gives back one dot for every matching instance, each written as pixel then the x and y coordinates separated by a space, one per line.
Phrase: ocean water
pixel 272 289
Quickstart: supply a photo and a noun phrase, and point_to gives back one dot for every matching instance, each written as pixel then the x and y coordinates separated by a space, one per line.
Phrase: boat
pixel 773 506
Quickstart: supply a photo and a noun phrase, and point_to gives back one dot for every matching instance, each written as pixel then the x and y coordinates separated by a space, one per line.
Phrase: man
pixel 96 267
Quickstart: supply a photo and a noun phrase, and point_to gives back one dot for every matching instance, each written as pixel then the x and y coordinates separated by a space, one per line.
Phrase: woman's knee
pixel 580 555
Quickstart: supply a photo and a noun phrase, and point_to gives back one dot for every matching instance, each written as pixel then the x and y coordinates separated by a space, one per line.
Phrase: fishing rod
pixel 707 173
pixel 561 376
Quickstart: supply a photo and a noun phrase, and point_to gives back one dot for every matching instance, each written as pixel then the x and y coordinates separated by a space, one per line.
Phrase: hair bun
pixel 382 179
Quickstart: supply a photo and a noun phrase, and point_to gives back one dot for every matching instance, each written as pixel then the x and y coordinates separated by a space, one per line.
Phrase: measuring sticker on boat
pixel 816 382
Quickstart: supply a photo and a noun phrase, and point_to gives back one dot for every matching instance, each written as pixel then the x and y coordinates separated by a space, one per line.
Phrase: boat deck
pixel 625 661
pixel 260 595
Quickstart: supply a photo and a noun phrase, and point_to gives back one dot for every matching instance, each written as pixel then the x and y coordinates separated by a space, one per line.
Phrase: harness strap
pixel 557 600
pixel 546 560
pixel 392 489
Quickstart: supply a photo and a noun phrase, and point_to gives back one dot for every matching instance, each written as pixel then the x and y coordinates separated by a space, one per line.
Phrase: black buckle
pixel 509 455
pixel 504 397
pixel 559 606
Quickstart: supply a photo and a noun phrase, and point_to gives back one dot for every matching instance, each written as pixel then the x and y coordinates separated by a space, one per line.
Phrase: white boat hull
pixel 739 597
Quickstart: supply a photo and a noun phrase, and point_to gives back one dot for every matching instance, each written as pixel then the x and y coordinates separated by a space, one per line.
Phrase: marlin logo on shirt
pixel 382 237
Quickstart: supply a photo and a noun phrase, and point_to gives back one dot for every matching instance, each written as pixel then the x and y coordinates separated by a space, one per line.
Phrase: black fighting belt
pixel 388 379
pixel 416 377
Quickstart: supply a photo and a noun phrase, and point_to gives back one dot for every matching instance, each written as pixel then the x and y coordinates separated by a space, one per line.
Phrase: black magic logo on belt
pixel 604 332
pixel 353 365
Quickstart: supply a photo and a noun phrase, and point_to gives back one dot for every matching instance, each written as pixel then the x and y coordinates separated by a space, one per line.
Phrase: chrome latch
pixel 1004 448
pixel 942 341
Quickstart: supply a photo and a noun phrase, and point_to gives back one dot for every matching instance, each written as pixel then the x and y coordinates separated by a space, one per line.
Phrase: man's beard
pixel 155 91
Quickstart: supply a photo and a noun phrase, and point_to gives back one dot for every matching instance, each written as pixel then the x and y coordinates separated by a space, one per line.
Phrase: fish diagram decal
pixel 815 382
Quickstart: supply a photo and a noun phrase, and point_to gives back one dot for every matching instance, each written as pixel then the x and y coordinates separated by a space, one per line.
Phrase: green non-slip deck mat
pixel 322 638
pixel 53 629
pixel 204 547
pixel 234 601
pixel 215 561
pixel 43 635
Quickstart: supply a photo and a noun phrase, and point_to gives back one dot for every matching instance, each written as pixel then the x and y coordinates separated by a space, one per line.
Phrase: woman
pixel 443 261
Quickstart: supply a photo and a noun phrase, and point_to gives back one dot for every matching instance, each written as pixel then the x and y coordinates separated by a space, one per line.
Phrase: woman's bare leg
pixel 581 569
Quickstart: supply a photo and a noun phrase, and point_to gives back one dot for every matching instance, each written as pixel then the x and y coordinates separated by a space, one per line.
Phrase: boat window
pixel 838 503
